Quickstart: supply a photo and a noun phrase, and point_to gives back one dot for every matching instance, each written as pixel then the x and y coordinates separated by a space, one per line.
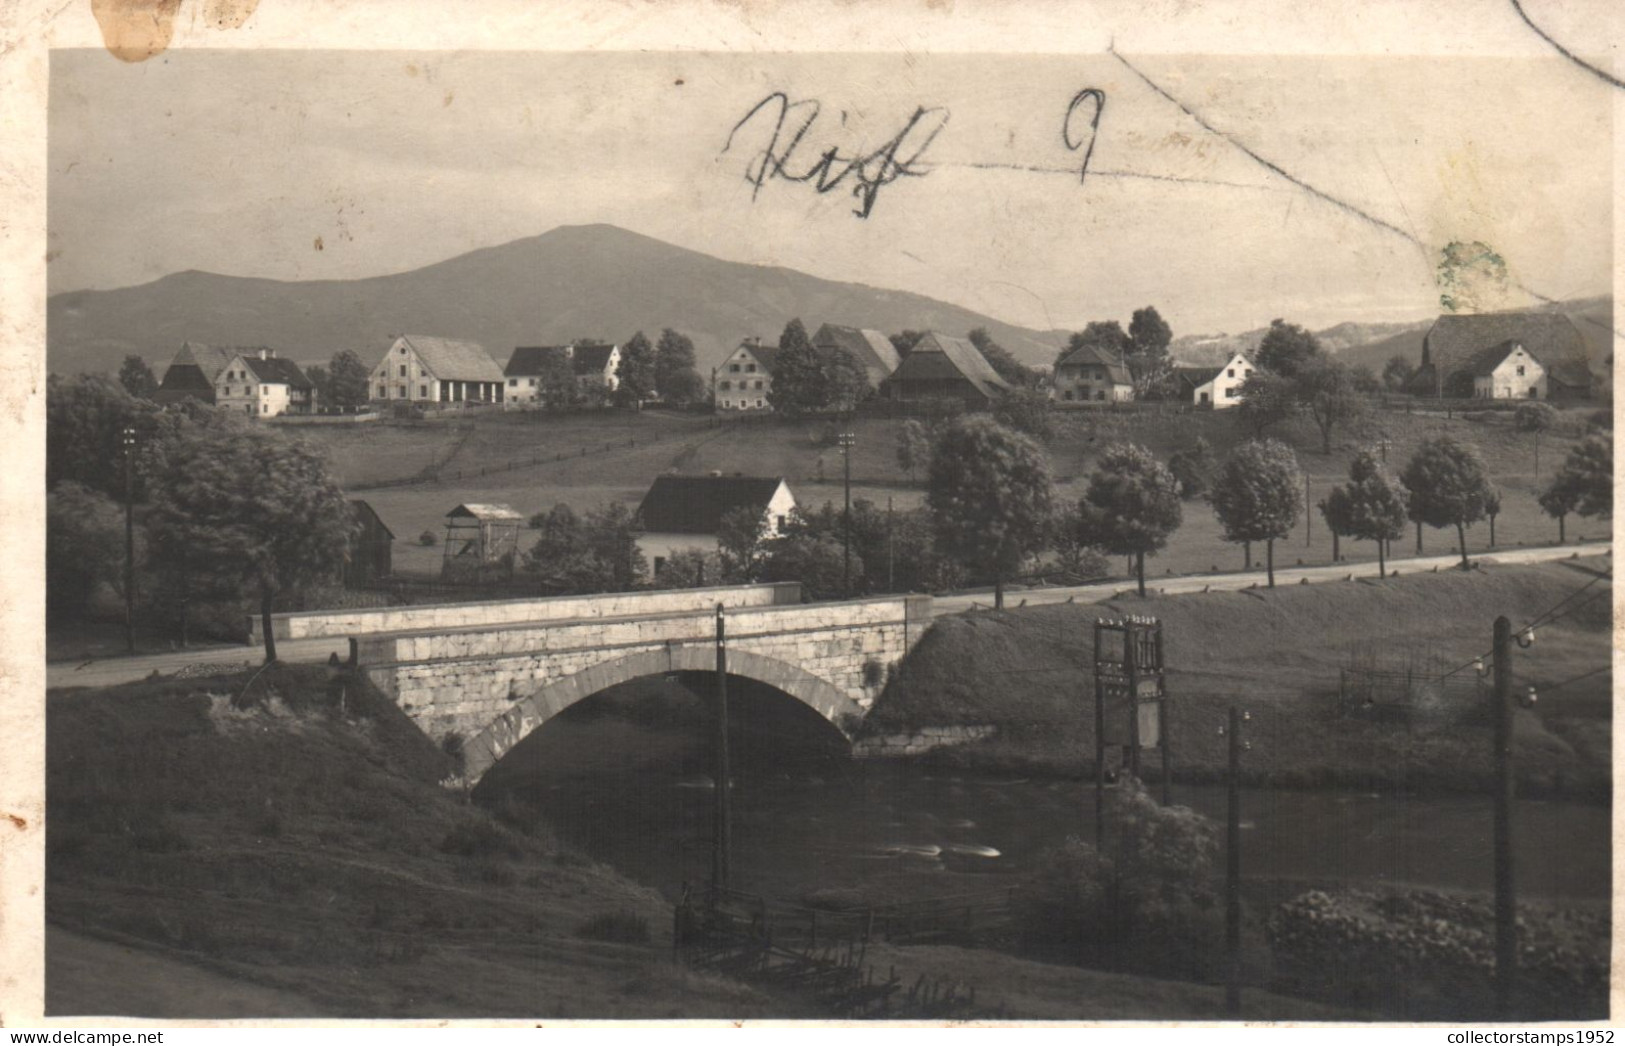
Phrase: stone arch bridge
pixel 483 676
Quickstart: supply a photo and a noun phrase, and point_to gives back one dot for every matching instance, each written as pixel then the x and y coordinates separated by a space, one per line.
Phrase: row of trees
pixel 1294 375
pixel 663 371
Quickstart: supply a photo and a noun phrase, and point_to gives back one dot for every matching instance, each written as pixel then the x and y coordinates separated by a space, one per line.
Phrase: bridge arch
pixel 481 752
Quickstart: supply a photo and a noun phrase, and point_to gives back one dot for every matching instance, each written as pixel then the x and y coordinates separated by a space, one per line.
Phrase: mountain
pixel 1199 350
pixel 588 281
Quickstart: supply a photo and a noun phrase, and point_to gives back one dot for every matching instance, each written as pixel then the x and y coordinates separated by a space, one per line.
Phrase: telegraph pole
pixel 1232 869
pixel 1308 512
pixel 847 440
pixel 1100 747
pixel 891 580
pixel 722 829
pixel 127 438
pixel 1506 905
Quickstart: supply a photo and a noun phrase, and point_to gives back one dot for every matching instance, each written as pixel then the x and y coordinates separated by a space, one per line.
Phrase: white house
pixel 257 383
pixel 1216 387
pixel 1090 374
pixel 685 512
pixel 744 379
pixel 1507 371
pixel 419 369
pixel 598 369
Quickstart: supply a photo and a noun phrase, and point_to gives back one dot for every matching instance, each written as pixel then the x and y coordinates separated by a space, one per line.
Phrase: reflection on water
pixel 638 795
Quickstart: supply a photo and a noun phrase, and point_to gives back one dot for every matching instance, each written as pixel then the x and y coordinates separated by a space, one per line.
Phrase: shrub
pixel 1534 417
pixel 479 839
pixel 428 539
pixel 1602 419
pixel 622 927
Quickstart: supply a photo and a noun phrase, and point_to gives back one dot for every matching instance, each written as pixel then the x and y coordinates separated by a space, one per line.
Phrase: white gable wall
pixel 742 383
pixel 1519 376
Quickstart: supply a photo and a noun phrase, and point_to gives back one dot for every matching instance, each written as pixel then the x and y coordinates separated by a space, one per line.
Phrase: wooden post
pixel 721 840
pixel 1162 715
pixel 1131 667
pixel 1232 870
pixel 1100 748
pixel 128 437
pixel 1506 904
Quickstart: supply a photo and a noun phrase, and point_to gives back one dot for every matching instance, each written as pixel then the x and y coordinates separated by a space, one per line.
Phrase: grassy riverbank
pixel 1278 653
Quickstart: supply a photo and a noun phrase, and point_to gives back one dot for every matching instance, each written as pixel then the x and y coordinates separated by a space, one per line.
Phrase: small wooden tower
pixel 482 542
pixel 369 554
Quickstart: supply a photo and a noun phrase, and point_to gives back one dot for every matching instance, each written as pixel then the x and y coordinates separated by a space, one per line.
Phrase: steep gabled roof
pixel 277 371
pixel 1196 377
pixel 449 359
pixel 494 511
pixel 1455 341
pixel 937 357
pixel 873 350
pixel 1482 363
pixel 527 360
pixel 210 360
pixel 696 504
pixel 1095 356
pixel 591 358
pixel 362 512
pixel 766 355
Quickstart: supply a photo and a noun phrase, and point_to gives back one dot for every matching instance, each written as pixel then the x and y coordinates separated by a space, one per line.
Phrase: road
pixel 111 671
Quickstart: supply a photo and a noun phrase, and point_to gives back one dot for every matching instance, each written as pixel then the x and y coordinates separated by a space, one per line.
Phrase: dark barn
pixel 370 550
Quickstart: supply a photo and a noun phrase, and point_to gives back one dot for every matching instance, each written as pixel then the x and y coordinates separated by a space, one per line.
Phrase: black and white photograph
pixel 896 528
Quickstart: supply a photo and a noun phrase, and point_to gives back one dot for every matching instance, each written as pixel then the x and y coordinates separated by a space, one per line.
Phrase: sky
pixel 1224 190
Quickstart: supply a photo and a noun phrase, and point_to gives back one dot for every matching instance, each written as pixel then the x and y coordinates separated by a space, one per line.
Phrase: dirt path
pixel 86 977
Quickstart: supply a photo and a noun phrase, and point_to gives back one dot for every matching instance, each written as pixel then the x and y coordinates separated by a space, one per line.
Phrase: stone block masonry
pixel 489 687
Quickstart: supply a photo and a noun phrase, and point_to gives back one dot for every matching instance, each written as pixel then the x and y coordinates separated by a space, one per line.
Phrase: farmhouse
pixel 528 372
pixel 597 368
pixel 1507 371
pixel 260 385
pixel 941 367
pixel 196 368
pixel 371 549
pixel 419 369
pixel 685 512
pixel 743 380
pixel 872 350
pixel 1216 387
pixel 1455 347
pixel 1091 374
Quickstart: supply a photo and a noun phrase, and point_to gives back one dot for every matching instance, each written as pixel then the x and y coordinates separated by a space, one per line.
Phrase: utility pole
pixel 1537 453
pixel 127 438
pixel 722 829
pixel 1506 905
pixel 847 440
pixel 1100 747
pixel 891 582
pixel 1308 512
pixel 1232 867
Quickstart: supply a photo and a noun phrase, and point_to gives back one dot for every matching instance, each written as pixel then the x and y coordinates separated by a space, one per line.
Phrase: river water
pixel 633 790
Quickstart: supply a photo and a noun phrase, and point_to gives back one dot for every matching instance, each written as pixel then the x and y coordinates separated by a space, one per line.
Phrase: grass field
pixel 614 456
pixel 1277 653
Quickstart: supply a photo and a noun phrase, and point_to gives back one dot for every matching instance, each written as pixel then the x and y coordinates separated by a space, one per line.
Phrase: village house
pixel 194 371
pixel 1457 348
pixel 943 367
pixel 419 369
pixel 744 379
pixel 872 350
pixel 259 384
pixel 685 512
pixel 1507 371
pixel 1215 387
pixel 1091 374
pixel 597 368
pixel 527 371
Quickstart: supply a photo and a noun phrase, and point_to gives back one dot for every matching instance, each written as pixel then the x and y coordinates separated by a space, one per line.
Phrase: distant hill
pixel 596 281
pixel 1211 349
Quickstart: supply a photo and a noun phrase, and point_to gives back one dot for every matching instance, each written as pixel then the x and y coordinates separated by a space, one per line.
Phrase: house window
pixel 724 385
pixel 758 403
pixel 1520 370
pixel 1067 395
pixel 512 382
pixel 403 350
pixel 382 392
pixel 533 383
pixel 733 367
pixel 423 392
pixel 1230 373
pixel 781 524
pixel 1230 393
pixel 660 563
pixel 758 384
pixel 750 368
pixel 265 408
pixel 1100 395
pixel 1247 373
pixel 403 370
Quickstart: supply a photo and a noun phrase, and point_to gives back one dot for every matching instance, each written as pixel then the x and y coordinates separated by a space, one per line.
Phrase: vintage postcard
pixel 816 511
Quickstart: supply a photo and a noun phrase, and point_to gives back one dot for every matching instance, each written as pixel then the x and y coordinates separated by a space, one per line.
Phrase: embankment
pixel 1029 674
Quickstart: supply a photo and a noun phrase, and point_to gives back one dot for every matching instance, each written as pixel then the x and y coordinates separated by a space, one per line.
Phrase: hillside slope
pixel 571 282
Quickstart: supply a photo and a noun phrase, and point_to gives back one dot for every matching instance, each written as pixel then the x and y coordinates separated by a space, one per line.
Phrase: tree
pixel 348 380
pixel 846 383
pixel 322 381
pixel 1326 388
pixel 137 378
pixel 990 497
pixel 1397 373
pixel 1072 555
pixel 636 372
pixel 913 447
pixel 1492 508
pixel 798 374
pixel 904 341
pixel 84 548
pixel 1006 366
pixel 1534 417
pixel 557 380
pixel 816 561
pixel 612 539
pixel 675 378
pixel 1258 495
pixel 1370 507
pixel 1131 507
pixel 244 504
pixel 1193 468
pixel 1448 486
pixel 85 419
pixel 1148 361
pixel 1583 484
pixel 1107 335
pixel 1266 399
pixel 1335 510
pixel 595 553
pixel 1025 410
pixel 1285 348
pixel 741 535
pixel 689 568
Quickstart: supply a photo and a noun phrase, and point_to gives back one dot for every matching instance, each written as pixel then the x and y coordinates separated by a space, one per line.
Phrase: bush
pixel 623 927
pixel 1534 417
pixel 428 539
pixel 1602 419
pixel 1144 903
pixel 479 839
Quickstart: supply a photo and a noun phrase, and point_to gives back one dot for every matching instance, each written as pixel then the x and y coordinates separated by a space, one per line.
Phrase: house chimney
pixel 265 353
